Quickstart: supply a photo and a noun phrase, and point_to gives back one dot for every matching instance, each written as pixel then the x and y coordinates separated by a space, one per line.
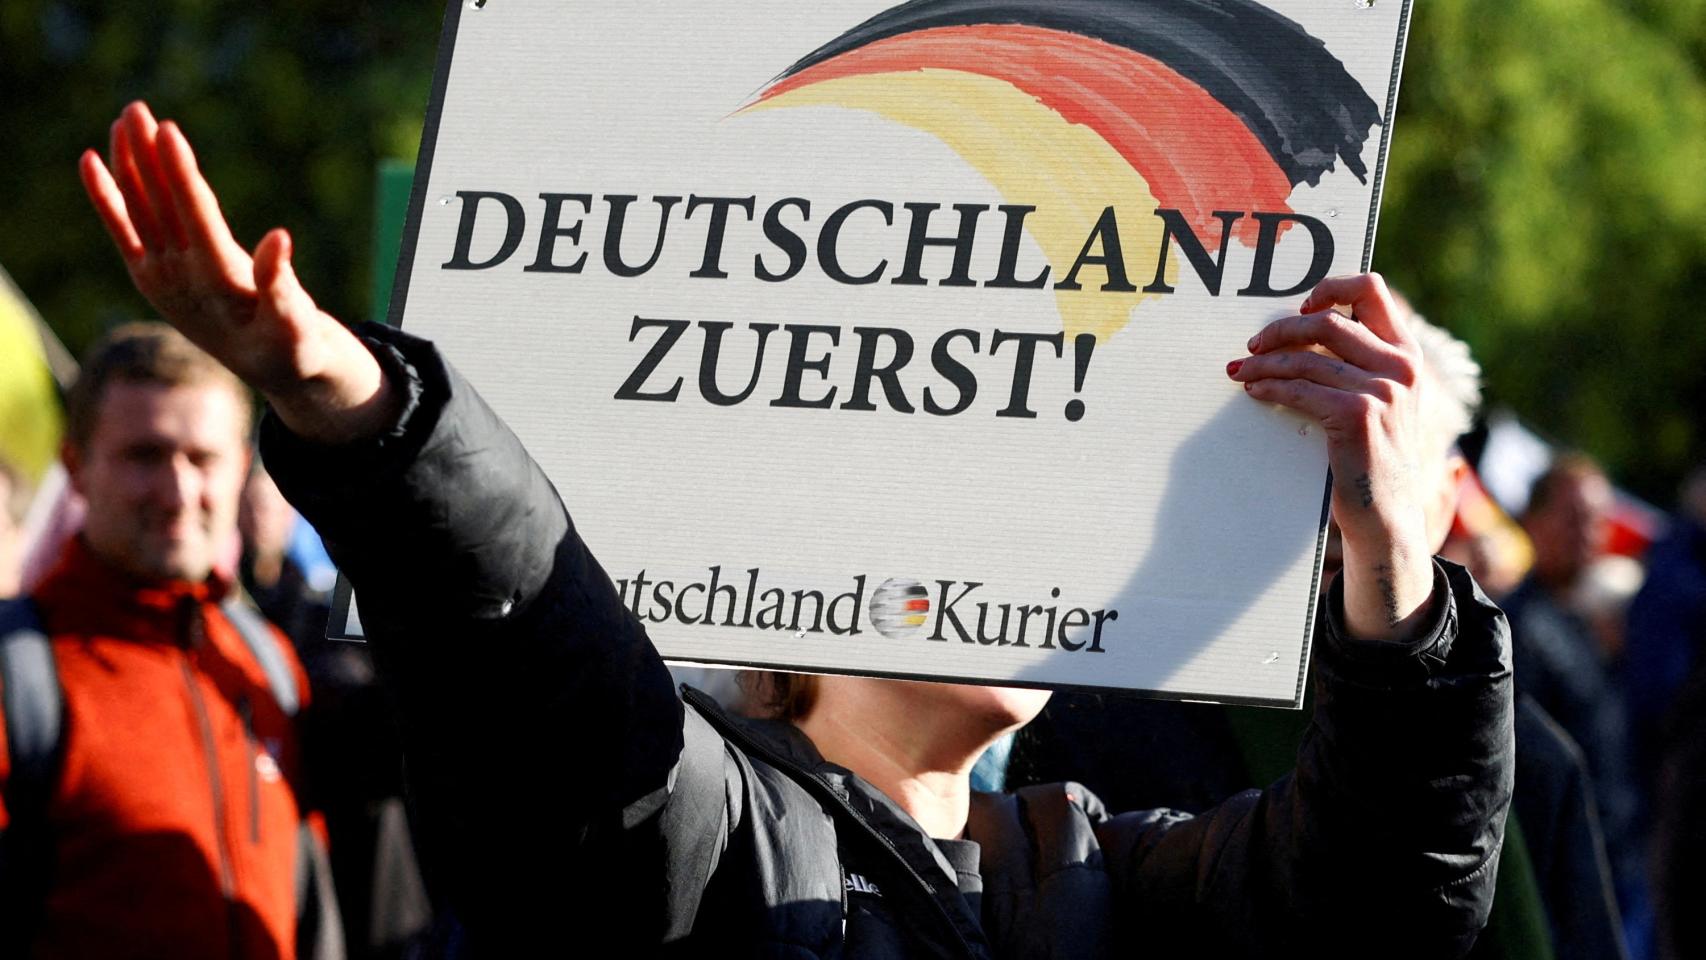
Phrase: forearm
pixel 1406 771
pixel 439 517
pixel 509 657
pixel 347 399
pixel 473 583
pixel 435 511
pixel 1388 588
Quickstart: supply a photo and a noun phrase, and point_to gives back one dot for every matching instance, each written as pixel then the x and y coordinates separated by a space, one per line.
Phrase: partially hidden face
pixel 162 472
pixel 983 708
pixel 265 518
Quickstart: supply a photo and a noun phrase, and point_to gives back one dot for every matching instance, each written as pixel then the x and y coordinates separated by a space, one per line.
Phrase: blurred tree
pixel 1684 21
pixel 1546 200
pixel 292 105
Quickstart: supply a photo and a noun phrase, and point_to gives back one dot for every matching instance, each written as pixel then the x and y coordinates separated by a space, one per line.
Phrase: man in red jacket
pixel 168 823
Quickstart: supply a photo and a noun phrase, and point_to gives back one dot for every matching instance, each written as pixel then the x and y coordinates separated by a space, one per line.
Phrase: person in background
pixel 1665 669
pixel 13 497
pixel 160 813
pixel 1560 663
pixel 270 575
pixel 354 752
pixel 1679 868
pixel 1602 598
pixel 1487 540
pixel 1666 629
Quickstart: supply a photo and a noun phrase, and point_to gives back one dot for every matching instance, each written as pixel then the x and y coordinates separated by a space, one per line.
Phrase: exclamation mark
pixel 1083 346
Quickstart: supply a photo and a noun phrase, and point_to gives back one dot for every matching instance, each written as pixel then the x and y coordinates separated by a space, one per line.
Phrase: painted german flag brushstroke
pixel 1075 105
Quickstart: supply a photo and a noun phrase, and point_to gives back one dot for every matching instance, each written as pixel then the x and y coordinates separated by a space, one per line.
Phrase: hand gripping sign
pixel 889 338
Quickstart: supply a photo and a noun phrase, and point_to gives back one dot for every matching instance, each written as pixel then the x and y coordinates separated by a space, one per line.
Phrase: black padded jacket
pixel 570 800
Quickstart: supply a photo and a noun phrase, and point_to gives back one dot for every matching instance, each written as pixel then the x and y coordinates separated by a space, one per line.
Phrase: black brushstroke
pixel 1295 96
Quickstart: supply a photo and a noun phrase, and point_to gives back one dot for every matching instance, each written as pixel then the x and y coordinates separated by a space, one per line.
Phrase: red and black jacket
pixel 172 825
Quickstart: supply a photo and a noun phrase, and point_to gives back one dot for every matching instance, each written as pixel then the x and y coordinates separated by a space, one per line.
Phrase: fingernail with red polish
pixel 1232 368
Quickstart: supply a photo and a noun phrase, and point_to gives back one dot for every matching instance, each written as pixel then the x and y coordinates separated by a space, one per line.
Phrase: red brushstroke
pixel 1196 155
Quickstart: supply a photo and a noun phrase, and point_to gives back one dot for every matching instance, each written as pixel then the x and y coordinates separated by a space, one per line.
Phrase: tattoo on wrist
pixel 1388 592
pixel 1365 487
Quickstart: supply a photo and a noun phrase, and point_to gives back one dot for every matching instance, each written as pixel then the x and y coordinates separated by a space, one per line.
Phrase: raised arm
pixel 247 310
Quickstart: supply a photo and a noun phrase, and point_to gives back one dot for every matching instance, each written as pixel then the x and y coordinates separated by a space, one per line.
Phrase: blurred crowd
pixel 270 773
pixel 1608 654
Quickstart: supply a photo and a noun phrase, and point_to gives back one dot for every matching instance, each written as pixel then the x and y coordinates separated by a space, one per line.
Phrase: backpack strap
pixel 34 709
pixel 263 644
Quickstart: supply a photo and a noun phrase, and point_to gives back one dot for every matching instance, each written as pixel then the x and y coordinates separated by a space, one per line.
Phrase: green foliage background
pixel 1546 196
pixel 290 105
pixel 1546 201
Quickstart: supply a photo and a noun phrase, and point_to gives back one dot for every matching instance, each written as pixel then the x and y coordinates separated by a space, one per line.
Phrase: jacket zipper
pixel 825 793
pixel 191 637
pixel 246 710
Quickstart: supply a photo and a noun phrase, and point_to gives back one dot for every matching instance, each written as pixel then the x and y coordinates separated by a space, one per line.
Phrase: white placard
pixel 997 256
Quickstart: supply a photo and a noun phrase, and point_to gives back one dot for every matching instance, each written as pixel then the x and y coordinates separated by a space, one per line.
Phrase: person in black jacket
pixel 1559 662
pixel 1191 756
pixel 561 781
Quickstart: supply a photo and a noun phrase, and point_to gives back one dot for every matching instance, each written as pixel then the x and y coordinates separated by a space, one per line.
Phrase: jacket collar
pixel 876 807
pixel 872 808
pixel 84 594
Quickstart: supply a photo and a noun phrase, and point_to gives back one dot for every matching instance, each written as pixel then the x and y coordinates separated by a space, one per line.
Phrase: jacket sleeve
pixel 1384 840
pixel 542 734
pixel 1559 821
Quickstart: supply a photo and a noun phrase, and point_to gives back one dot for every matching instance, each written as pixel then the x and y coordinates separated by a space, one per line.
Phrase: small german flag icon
pixel 899 608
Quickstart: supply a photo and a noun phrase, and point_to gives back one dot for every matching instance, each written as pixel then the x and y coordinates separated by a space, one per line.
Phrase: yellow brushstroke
pixel 1031 155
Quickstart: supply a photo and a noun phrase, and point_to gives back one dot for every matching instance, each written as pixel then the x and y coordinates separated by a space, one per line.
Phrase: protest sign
pixel 890 339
